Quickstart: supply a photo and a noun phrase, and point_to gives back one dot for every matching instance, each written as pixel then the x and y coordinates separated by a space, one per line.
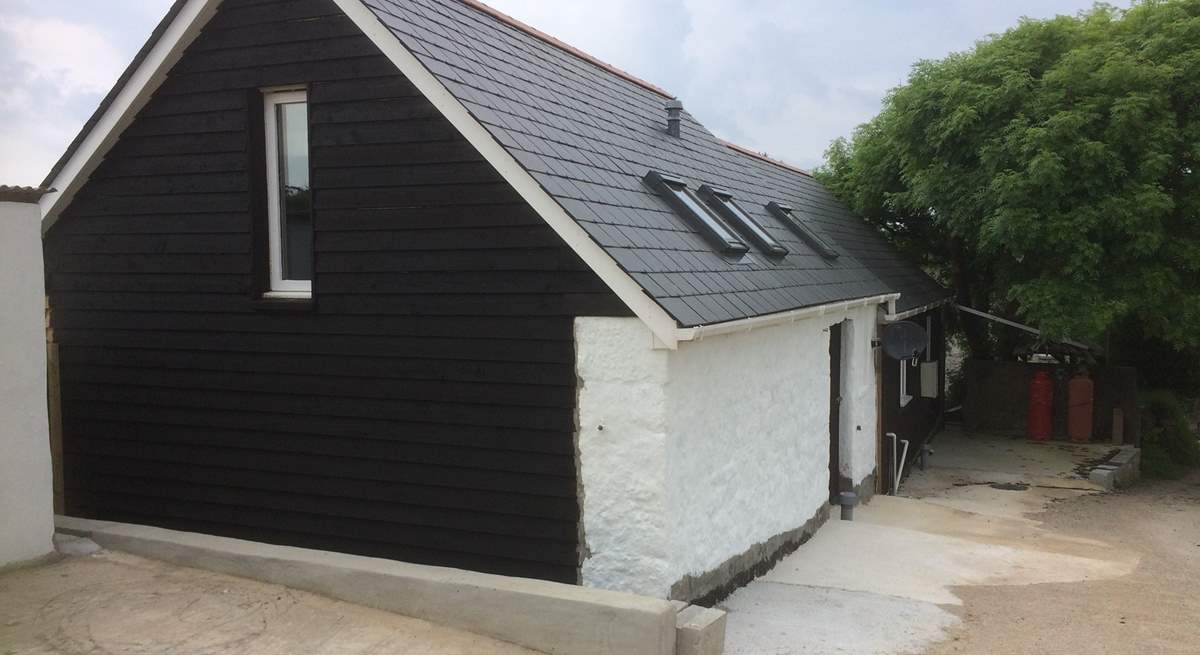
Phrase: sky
pixel 784 77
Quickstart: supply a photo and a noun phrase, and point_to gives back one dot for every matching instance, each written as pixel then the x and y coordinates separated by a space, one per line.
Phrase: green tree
pixel 1049 173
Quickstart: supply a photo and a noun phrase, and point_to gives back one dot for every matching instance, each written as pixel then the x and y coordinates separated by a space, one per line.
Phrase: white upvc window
pixel 289 202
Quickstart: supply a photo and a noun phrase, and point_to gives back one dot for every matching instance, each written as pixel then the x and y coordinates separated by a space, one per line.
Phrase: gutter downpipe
pixel 699 332
pixel 898 464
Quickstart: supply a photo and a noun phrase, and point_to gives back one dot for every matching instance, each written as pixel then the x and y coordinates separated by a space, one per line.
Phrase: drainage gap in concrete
pixel 1009 486
pixel 1084 469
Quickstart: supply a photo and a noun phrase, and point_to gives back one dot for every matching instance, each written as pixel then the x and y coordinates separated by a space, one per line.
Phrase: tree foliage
pixel 1049 172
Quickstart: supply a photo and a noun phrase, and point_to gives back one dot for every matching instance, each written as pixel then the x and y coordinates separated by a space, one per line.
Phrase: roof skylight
pixel 789 218
pixel 684 200
pixel 733 213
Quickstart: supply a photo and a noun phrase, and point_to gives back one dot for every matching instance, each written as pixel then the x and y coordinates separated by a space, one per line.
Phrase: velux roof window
pixel 733 214
pixel 684 200
pixel 789 218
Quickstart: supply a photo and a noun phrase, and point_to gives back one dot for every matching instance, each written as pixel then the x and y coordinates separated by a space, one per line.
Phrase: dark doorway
pixel 835 413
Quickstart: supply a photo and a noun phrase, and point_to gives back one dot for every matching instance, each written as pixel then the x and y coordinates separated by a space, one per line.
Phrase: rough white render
pixel 622 456
pixel 860 406
pixel 691 457
pixel 26 491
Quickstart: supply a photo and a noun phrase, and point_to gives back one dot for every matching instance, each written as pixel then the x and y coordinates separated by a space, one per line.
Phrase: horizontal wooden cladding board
pixel 279 75
pixel 398 515
pixel 488 437
pixel 387 154
pixel 463 541
pixel 198 302
pixel 208 122
pixel 76 221
pixel 509 394
pixel 297 30
pixel 406 175
pixel 434 217
pixel 208 264
pixel 432 347
pixel 434 557
pixel 99 283
pixel 94 202
pixel 168 244
pixel 180 144
pixel 368 367
pixel 274 54
pixel 464 414
pixel 460 239
pixel 326 109
pixel 323 469
pixel 154 166
pixel 161 105
pixel 563 304
pixel 272 14
pixel 498 262
pixel 115 470
pixel 415 130
pixel 165 184
pixel 399 446
pixel 469 282
pixel 329 325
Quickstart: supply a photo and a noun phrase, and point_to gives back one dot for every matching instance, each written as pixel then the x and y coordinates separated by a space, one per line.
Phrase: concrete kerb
pixel 546 616
pixel 1123 469
pixel 700 631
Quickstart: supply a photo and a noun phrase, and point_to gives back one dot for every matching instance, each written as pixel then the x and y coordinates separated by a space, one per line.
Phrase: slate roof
pixel 857 238
pixel 589 135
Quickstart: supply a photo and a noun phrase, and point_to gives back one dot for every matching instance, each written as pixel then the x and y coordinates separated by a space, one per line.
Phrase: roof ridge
pixel 565 47
pixel 764 157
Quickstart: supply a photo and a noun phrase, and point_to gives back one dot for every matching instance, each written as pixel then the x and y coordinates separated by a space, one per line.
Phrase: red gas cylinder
pixel 1080 401
pixel 1041 406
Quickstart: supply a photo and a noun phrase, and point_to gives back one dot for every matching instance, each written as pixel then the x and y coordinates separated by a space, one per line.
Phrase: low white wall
pixel 26 491
pixel 691 457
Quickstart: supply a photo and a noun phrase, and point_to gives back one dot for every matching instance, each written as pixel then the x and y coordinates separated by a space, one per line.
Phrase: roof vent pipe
pixel 674 116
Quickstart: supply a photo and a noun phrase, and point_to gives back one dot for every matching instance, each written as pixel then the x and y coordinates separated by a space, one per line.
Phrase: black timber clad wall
pixel 423 410
pixel 917 420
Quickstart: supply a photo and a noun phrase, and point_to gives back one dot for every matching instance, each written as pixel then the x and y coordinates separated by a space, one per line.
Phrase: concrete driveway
pixel 119 604
pixel 892 581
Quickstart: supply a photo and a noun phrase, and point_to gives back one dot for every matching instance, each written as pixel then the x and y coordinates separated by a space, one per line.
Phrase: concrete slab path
pixel 120 604
pixel 889 582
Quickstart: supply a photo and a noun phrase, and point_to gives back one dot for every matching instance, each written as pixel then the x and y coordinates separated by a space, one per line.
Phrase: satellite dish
pixel 904 340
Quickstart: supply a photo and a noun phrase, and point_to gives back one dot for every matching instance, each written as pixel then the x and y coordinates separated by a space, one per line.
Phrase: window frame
pixel 686 203
pixel 278 286
pixel 789 218
pixel 733 214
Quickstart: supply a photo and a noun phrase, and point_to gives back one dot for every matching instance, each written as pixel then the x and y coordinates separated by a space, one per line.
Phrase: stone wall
pixel 699 464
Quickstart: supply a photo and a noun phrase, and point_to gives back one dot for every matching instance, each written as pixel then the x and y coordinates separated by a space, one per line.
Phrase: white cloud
pixel 76 57
pixel 781 76
pixel 57 73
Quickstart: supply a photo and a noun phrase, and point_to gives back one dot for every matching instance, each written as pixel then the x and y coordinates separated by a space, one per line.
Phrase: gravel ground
pixel 1154 610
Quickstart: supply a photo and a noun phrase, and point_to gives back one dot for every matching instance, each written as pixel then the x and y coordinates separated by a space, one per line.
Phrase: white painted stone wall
pixel 860 403
pixel 26 492
pixel 691 457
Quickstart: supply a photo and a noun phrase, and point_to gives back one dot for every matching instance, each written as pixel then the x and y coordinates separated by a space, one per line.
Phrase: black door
pixel 835 404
